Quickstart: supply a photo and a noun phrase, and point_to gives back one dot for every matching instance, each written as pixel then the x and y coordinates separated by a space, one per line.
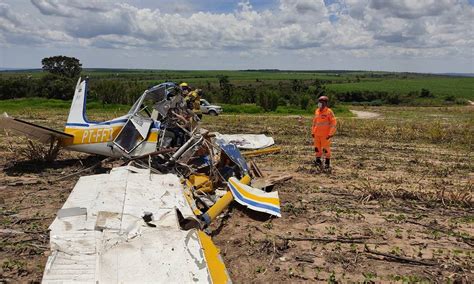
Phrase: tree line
pixel 62 73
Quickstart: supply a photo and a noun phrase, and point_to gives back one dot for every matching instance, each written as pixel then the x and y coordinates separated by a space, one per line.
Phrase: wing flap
pixel 31 130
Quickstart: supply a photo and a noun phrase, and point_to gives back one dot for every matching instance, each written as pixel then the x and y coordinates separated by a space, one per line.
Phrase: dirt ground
pixel 365 114
pixel 391 210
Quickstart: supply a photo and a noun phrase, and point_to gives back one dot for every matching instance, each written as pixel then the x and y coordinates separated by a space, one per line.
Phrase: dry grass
pixel 31 150
pixel 399 185
pixel 402 183
pixel 414 159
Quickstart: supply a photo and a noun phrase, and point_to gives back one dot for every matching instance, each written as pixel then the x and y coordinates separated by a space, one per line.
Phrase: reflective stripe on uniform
pixel 322 124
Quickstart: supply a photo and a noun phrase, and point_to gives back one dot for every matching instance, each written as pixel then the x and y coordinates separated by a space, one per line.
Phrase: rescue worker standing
pixel 192 99
pixel 323 129
pixel 185 88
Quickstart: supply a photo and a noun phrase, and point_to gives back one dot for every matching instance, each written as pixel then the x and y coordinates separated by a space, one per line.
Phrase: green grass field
pixel 240 77
pixel 441 87
pixel 23 105
pixel 444 90
pixel 42 103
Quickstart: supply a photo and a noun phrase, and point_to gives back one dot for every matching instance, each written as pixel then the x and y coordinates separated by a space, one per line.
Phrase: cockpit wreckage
pixel 146 220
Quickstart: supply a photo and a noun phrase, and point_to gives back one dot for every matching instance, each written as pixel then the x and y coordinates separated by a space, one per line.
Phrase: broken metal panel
pixel 129 137
pixel 234 154
pixel 142 125
pixel 112 243
pixel 155 94
pixel 247 141
pixel 268 182
pixel 74 211
pixel 167 256
pixel 255 199
pixel 84 268
pixel 201 182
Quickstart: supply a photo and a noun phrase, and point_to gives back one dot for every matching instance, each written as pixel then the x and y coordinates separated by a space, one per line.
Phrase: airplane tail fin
pixel 77 113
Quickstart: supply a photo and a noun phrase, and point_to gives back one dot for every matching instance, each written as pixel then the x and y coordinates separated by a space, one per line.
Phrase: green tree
pixel 62 65
pixel 226 88
pixel 268 100
pixel 305 101
pixel 56 87
pixel 297 85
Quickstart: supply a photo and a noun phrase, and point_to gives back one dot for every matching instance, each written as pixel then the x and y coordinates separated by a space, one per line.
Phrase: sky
pixel 431 36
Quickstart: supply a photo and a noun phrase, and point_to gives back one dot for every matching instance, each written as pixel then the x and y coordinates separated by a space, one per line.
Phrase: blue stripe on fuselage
pixel 97 123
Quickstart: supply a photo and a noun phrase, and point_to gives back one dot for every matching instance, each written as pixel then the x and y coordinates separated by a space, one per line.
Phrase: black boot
pixel 318 162
pixel 327 163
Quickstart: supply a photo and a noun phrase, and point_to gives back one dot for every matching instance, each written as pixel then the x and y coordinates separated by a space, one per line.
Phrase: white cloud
pixel 52 8
pixel 370 28
pixel 410 9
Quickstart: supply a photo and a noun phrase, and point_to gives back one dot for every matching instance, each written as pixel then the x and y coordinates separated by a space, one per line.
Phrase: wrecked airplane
pixel 147 219
pixel 131 135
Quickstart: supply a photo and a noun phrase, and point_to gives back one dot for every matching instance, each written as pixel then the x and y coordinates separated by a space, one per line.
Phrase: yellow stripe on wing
pixel 214 261
pixel 245 193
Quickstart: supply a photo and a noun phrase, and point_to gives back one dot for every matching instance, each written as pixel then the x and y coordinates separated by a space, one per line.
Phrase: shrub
pixel 450 98
pixel 268 100
pixel 425 93
pixel 12 88
pixel 393 99
pixel 461 101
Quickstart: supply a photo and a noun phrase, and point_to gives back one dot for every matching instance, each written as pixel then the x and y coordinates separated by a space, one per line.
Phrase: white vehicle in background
pixel 207 108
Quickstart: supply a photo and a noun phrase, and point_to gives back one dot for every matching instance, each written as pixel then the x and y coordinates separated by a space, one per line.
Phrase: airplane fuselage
pixel 98 139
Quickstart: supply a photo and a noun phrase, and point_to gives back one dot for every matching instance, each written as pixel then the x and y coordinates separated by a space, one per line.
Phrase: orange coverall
pixel 324 125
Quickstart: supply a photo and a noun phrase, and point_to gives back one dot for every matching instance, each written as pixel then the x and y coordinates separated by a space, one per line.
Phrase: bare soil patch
pixel 391 210
pixel 365 114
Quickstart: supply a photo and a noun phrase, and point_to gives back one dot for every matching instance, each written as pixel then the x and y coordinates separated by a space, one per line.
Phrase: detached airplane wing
pixel 31 130
pixel 101 234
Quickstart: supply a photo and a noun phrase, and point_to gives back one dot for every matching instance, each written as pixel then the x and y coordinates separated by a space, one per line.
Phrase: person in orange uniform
pixel 324 127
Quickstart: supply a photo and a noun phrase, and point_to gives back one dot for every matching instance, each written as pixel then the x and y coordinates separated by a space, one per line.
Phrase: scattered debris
pixel 152 212
pixel 10 232
pixel 358 240
pixel 398 258
pixel 255 153
pixel 267 183
pixel 24 181
pixel 247 141
pixel 306 257
pixel 109 159
pixel 255 169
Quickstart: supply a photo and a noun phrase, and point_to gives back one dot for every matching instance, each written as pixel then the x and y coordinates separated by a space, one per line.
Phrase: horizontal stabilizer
pixel 30 130
pixel 255 199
